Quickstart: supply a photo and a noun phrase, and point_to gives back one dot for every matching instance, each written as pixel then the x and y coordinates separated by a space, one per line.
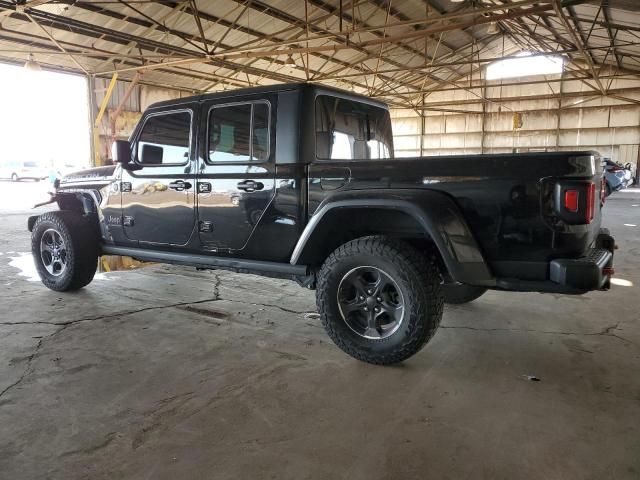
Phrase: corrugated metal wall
pixel 567 122
pixel 141 97
pixel 131 105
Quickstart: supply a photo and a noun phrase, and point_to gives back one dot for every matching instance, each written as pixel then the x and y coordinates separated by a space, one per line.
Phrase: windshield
pixel 351 130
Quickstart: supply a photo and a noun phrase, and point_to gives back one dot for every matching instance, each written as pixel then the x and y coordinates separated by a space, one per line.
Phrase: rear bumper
pixel 573 275
pixel 591 272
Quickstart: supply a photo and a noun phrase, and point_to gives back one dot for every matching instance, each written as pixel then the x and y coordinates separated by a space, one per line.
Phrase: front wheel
pixel 379 299
pixel 64 248
pixel 14 177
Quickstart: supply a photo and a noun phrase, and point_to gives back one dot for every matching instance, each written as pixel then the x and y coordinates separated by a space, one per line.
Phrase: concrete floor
pixel 170 373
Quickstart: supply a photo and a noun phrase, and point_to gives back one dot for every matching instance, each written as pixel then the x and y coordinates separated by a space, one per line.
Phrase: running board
pixel 206 261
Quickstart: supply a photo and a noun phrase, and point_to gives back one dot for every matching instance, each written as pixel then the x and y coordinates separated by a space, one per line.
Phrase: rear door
pixel 236 177
pixel 158 199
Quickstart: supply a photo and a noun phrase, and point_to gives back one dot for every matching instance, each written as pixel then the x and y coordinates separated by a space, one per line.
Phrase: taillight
pixel 575 201
pixel 571 200
pixel 591 203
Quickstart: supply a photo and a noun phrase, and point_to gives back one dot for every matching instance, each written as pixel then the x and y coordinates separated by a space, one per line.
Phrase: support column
pixel 484 115
pixel 637 182
pixel 91 98
pixel 422 128
pixel 559 111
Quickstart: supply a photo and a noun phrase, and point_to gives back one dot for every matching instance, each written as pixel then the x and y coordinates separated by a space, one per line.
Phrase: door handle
pixel 250 186
pixel 179 185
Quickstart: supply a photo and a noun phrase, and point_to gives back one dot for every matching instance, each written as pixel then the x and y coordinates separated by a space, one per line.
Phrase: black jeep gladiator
pixel 299 181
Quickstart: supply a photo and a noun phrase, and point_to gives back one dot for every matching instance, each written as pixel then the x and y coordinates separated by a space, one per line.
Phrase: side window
pixel 164 139
pixel 351 130
pixel 260 143
pixel 231 138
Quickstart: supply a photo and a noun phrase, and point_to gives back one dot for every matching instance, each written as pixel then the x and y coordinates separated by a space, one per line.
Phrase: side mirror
pixel 121 152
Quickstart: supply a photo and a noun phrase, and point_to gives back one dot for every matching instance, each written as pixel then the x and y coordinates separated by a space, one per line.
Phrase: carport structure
pixel 168 372
pixel 425 58
pixel 398 50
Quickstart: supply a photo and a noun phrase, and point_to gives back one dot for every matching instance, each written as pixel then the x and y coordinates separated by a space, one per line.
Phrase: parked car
pixel 299 181
pixel 23 170
pixel 617 176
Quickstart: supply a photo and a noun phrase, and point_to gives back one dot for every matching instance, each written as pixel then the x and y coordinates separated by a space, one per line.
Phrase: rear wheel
pixel 64 248
pixel 14 177
pixel 457 293
pixel 379 299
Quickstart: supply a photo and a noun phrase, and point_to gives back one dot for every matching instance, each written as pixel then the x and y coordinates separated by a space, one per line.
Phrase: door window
pixel 164 139
pixel 239 133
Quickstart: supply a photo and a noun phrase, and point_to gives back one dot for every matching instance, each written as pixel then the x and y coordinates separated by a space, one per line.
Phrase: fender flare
pixel 88 201
pixel 437 214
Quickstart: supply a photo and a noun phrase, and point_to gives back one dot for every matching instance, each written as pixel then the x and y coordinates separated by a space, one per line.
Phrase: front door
pixel 158 199
pixel 236 175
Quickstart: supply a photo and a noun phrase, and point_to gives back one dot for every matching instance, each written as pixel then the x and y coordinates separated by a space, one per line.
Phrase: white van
pixel 17 171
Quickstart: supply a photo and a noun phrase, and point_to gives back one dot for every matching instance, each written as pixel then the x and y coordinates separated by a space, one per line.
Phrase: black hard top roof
pixel 266 89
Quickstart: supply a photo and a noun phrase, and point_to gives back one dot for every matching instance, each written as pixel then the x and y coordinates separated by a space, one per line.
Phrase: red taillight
pixel 575 201
pixel 591 201
pixel 571 200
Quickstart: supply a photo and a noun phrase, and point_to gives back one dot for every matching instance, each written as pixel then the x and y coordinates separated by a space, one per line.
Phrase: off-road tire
pixel 417 278
pixel 457 294
pixel 81 244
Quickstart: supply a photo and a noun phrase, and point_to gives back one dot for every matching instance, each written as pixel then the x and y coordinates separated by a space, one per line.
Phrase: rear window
pixel 351 130
pixel 30 164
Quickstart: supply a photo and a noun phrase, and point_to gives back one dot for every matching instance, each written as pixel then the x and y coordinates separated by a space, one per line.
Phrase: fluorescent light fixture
pixel 32 65
pixel 525 65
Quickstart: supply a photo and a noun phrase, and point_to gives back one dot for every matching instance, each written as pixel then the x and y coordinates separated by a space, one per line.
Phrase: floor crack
pixel 64 325
pixel 111 315
pixel 216 286
pixel 28 370
pixel 605 332
pixel 271 305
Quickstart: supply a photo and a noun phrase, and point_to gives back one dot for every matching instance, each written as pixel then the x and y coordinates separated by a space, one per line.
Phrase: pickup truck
pixel 299 181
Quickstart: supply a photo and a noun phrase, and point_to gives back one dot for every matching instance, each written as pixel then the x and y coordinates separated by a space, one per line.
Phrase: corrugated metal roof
pixel 378 47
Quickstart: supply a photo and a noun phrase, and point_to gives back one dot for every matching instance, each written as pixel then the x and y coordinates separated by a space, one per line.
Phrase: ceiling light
pixel 493 28
pixel 290 60
pixel 32 65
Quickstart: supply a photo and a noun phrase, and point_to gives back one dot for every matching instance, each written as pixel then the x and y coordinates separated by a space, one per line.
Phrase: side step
pixel 206 261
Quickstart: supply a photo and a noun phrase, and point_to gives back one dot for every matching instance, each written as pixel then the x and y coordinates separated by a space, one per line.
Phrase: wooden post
pixel 96 125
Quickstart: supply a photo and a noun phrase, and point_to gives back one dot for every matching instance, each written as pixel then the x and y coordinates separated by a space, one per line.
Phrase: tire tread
pixel 84 248
pixel 417 271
